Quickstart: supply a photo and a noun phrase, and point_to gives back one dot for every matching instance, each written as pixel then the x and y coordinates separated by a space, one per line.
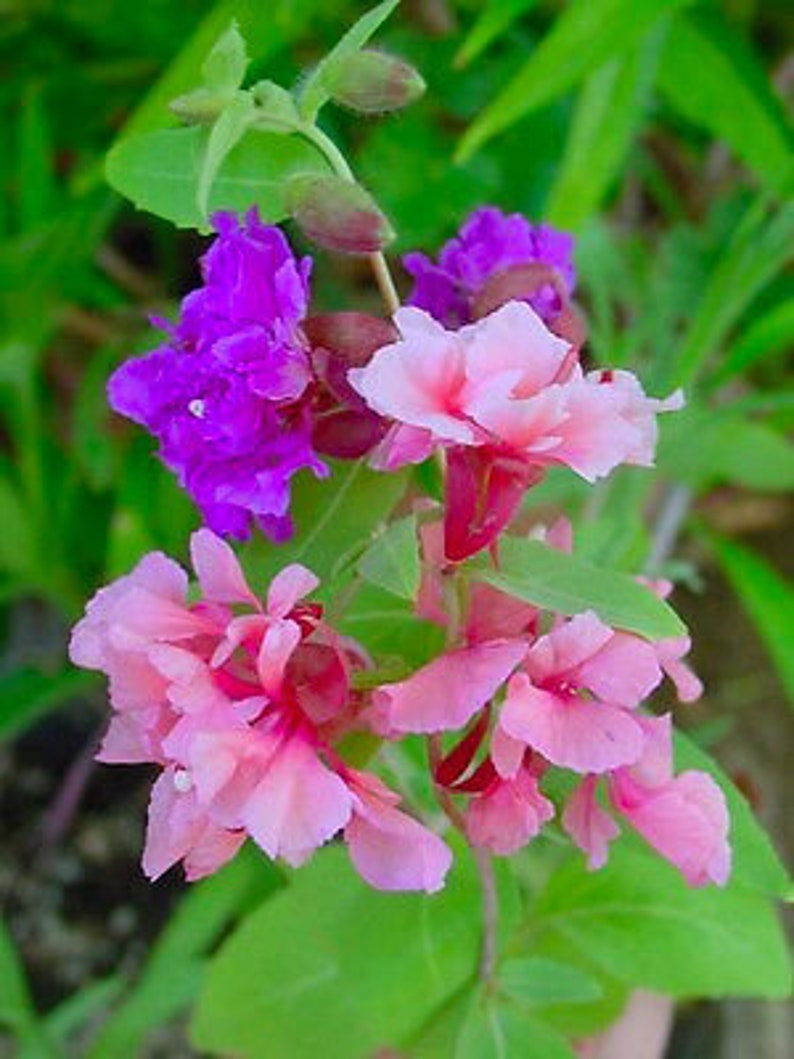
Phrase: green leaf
pixel 586 35
pixel 642 923
pixel 17 540
pixel 712 77
pixel 608 114
pixel 159 172
pixel 229 128
pixel 225 66
pixel 389 628
pixel 174 970
pixel 536 980
pixel 27 694
pixel 35 177
pixel 333 518
pixel 495 1030
pixel 316 90
pixel 370 967
pixel 771 335
pixel 768 600
pixel 757 251
pixel 392 560
pixel 565 583
pixel 16 1005
pixel 493 21
pixel 755 863
pixel 701 447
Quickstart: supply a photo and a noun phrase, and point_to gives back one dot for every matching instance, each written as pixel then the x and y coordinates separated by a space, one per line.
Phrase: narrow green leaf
pixel 371 967
pixel 35 176
pixel 586 35
pixel 159 172
pixel 231 125
pixel 758 250
pixel 16 1005
pixel 493 21
pixel 565 583
pixel 316 89
pixel 643 924
pixel 392 560
pixel 768 600
pixel 225 66
pixel 608 113
pixel 537 980
pixel 711 76
pixel 771 335
pixel 17 538
pixel 755 862
pixel 701 447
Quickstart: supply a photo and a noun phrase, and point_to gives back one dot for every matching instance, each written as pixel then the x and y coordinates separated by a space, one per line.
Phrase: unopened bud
pixel 201 107
pixel 373 82
pixel 337 214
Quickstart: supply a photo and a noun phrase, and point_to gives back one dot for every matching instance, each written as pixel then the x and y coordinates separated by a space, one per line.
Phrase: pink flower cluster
pixel 243 706
pixel 569 699
pixel 505 398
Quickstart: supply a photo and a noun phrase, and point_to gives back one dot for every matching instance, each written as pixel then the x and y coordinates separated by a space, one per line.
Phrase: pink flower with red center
pixel 242 704
pixel 506 398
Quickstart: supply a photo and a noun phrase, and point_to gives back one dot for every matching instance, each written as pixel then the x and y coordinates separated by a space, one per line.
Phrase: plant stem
pixel 339 164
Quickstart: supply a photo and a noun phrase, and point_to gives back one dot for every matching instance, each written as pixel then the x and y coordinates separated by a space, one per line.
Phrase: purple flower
pixel 490 242
pixel 228 393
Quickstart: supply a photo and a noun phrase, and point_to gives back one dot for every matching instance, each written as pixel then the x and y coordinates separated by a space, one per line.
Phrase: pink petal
pixel 514 340
pixel 508 815
pixel 278 643
pixel 507 753
pixel 298 805
pixel 175 821
pixel 214 847
pixel 686 821
pixel 389 849
pixel 589 825
pixel 623 672
pixel 571 732
pixel 446 693
pixel 287 587
pixel 670 653
pixel 564 649
pixel 402 445
pixel 218 569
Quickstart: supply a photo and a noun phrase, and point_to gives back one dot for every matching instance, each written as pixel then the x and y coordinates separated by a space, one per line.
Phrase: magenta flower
pixel 505 398
pixel 227 395
pixel 242 705
pixel 489 246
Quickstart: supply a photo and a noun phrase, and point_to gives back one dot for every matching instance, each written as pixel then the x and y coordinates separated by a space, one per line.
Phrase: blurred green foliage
pixel 655 130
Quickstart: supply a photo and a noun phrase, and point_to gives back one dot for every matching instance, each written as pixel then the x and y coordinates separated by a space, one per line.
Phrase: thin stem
pixel 490 912
pixel 671 518
pixel 339 164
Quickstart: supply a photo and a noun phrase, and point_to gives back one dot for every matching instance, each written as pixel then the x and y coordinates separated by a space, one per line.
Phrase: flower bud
pixel 200 107
pixel 372 82
pixel 337 214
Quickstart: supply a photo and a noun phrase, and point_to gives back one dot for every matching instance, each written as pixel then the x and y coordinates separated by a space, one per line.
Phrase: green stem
pixel 340 166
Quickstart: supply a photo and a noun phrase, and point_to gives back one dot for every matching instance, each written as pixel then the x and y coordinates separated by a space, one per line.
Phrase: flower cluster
pixel 243 705
pixel 246 706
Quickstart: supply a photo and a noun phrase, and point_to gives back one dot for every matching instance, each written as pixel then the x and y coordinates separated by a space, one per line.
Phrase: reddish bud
pixel 372 82
pixel 337 214
pixel 347 434
pixel 350 336
pixel 514 284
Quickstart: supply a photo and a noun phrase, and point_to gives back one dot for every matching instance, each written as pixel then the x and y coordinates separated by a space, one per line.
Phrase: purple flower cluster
pixel 489 242
pixel 228 394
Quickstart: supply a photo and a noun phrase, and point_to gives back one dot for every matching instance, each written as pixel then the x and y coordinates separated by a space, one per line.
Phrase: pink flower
pixel 684 817
pixel 391 850
pixel 573 698
pixel 447 692
pixel 508 814
pixel 509 388
pixel 242 703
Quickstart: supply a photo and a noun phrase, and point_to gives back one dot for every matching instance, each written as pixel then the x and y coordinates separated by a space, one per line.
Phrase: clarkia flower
pixel 505 398
pixel 228 393
pixel 242 704
pixel 489 250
